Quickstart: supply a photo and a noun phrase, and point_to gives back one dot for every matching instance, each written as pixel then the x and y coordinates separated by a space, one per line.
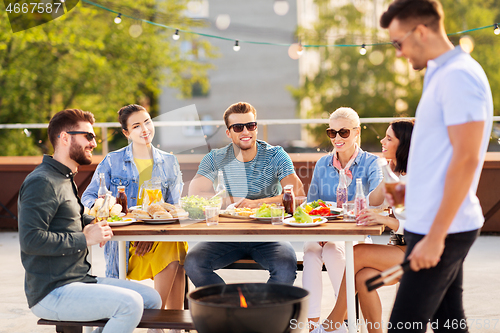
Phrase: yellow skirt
pixel 153 262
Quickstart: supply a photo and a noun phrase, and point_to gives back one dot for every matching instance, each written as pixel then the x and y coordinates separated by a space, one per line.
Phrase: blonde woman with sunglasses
pixel 344 132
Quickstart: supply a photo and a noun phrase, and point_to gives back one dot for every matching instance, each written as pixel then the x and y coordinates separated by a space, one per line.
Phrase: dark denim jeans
pixel 204 258
pixel 433 295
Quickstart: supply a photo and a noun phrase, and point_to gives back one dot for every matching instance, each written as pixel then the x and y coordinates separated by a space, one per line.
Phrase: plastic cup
pixel 348 211
pixel 211 215
pixel 277 215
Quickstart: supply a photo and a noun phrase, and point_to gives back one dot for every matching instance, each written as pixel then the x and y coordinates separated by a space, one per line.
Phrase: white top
pixel 401 217
pixel 456 91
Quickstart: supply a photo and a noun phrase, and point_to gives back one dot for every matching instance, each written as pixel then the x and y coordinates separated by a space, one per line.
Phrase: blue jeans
pixel 206 257
pixel 121 301
pixel 433 294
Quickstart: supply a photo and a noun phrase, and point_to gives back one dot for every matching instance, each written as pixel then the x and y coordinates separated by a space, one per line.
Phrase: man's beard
pixel 77 154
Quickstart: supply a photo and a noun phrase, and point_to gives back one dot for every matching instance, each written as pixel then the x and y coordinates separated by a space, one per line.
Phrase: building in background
pixel 257 74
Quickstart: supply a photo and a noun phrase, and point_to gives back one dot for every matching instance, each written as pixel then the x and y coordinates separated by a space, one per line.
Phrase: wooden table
pixel 238 230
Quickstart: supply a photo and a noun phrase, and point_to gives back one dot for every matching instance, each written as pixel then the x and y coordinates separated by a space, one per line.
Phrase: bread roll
pixel 162 215
pixel 155 208
pixel 140 214
pixel 98 203
pixel 167 206
pixel 179 212
pixel 115 210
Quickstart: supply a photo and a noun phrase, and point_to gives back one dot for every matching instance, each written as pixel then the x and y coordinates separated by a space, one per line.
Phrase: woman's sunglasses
pixel 343 132
pixel 237 128
pixel 89 136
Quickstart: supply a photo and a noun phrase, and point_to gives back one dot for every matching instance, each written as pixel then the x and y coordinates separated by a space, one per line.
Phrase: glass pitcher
pixel 150 192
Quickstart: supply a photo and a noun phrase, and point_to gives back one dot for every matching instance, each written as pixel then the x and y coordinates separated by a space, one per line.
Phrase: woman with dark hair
pixel 371 259
pixel 131 166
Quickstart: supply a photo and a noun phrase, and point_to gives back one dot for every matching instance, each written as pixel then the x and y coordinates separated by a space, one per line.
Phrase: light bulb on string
pixel 118 19
pixel 362 51
pixel 300 50
pixel 176 35
pixel 236 46
pixel 496 30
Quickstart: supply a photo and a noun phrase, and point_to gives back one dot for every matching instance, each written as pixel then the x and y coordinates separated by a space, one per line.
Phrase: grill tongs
pixel 387 276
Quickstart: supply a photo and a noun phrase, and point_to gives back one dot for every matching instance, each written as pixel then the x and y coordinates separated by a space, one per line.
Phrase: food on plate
pixel 264 210
pixel 114 208
pixel 162 215
pixel 160 211
pixel 300 216
pixel 245 211
pixel 140 214
pixel 194 205
pixel 115 218
pixel 319 207
pixel 155 208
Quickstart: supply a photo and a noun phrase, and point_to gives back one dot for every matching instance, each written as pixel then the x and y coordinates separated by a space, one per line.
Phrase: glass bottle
pixel 103 211
pixel 289 199
pixel 342 189
pixel 393 185
pixel 220 190
pixel 359 198
pixel 121 198
pixel 101 193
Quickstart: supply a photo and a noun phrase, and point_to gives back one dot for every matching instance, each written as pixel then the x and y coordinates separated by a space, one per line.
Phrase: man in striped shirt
pixel 254 173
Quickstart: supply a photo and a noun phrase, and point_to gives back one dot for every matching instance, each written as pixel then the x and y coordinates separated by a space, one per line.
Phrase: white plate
pixel 291 221
pixel 268 219
pixel 126 221
pixel 121 215
pixel 134 208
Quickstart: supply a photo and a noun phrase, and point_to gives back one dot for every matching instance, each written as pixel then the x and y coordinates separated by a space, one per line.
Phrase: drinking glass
pixel 348 211
pixel 211 215
pixel 277 215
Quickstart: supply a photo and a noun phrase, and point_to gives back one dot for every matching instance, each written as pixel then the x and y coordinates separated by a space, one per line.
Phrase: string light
pixel 236 46
pixel 300 50
pixel 176 35
pixel 362 51
pixel 118 19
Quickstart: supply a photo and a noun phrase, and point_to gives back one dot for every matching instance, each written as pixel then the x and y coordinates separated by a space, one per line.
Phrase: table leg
pixel 350 291
pixel 122 261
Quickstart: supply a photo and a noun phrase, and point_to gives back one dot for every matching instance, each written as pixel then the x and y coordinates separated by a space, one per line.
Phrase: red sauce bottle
pixel 289 199
pixel 121 198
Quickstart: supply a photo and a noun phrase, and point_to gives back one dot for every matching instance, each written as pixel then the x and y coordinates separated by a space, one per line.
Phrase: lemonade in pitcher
pixel 151 193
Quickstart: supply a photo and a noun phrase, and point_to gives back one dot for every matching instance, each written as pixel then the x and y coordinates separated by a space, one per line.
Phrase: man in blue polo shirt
pixel 450 138
pixel 254 173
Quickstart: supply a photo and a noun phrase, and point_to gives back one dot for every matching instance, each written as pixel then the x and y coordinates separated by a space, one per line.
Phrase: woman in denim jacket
pixel 160 261
pixel 344 134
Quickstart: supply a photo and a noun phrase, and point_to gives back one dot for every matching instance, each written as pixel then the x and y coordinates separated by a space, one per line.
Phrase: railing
pixel 262 122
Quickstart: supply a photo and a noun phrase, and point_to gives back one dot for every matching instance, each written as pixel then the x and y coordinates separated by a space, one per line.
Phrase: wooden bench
pixel 168 319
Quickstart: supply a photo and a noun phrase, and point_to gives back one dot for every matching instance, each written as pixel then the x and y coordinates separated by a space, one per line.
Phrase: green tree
pixel 378 84
pixel 84 60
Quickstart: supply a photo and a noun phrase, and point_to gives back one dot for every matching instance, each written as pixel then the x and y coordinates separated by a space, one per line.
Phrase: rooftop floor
pixel 481 286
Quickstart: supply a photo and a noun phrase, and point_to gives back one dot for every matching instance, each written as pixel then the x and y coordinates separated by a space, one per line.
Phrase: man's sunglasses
pixel 237 128
pixel 343 132
pixel 398 44
pixel 88 135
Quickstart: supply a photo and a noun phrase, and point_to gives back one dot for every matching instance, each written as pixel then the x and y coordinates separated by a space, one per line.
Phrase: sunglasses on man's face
pixel 88 135
pixel 237 128
pixel 343 132
pixel 398 44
